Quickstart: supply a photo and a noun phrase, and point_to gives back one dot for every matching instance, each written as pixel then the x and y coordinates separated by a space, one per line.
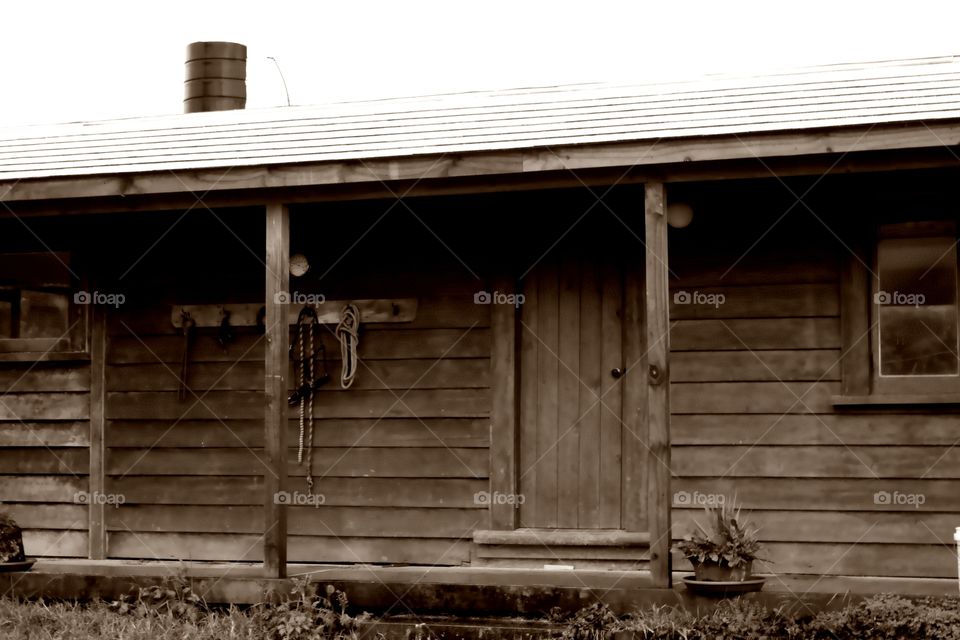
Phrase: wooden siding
pixel 398 458
pixel 752 417
pixel 44 461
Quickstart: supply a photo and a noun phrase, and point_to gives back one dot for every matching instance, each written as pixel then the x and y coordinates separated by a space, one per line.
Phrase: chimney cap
pixel 216 49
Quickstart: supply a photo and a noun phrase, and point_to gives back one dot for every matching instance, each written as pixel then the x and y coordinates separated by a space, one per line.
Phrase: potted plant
pixel 725 549
pixel 12 557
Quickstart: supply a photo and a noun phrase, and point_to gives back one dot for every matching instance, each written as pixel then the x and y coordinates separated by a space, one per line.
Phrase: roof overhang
pixel 799 152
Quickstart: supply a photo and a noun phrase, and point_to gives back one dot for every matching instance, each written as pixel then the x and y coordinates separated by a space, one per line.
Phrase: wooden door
pixel 571 433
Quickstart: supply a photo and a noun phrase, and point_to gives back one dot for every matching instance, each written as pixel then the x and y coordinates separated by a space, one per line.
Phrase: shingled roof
pixel 819 97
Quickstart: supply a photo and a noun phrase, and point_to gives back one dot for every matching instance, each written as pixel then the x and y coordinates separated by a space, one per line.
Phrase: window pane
pixel 6 319
pixel 917 307
pixel 43 315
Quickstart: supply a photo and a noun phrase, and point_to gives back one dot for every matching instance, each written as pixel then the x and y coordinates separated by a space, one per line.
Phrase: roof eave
pixel 378 173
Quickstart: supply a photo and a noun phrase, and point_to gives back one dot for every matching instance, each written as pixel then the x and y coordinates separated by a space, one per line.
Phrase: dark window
pixel 917 306
pixel 37 310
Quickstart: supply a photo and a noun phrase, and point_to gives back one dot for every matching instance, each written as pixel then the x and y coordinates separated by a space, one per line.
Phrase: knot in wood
pixel 656 374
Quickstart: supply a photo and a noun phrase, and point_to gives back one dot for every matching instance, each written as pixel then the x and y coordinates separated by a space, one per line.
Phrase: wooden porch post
pixel 275 370
pixel 503 410
pixel 657 311
pixel 97 484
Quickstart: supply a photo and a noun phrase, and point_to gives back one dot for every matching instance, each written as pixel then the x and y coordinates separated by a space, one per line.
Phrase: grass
pixel 66 620
pixel 172 610
pixel 168 612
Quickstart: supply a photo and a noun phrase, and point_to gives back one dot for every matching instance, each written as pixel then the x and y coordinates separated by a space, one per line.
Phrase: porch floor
pixel 382 590
pixel 406 590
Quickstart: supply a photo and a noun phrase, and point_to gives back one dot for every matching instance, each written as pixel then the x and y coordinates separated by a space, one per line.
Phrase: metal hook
pixel 225 335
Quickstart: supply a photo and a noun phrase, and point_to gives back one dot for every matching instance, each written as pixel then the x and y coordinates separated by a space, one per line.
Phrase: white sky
pixel 69 61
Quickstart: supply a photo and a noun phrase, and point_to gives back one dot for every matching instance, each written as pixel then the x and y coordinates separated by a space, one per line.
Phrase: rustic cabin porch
pixel 402 461
pixel 461 399
pixel 515 368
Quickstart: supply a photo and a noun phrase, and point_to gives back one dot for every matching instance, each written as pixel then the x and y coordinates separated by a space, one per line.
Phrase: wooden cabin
pixel 585 312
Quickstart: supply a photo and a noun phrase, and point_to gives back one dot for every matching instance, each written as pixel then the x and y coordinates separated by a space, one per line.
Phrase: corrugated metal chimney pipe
pixel 216 77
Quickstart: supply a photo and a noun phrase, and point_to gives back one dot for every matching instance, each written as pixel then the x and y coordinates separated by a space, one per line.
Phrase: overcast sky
pixel 74 61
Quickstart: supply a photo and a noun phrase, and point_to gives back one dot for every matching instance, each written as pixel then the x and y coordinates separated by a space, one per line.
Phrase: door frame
pixel 645 400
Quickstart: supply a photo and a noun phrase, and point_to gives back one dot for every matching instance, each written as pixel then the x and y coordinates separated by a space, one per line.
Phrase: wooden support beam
pixel 634 398
pixel 275 368
pixel 855 321
pixel 380 310
pixel 650 153
pixel 83 203
pixel 96 485
pixel 504 409
pixel 657 314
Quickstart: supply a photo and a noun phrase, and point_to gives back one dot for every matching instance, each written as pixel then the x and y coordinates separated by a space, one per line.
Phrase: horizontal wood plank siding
pixel 397 459
pixel 756 359
pixel 44 455
pixel 306 549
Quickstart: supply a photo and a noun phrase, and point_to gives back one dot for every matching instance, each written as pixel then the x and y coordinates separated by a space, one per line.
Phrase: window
pixel 37 310
pixel 900 315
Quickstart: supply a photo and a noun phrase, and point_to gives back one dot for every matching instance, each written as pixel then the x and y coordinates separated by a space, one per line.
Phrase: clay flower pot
pixel 11 541
pixel 12 557
pixel 710 571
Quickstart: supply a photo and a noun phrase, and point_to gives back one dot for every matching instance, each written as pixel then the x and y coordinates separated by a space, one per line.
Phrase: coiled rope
pixel 347 333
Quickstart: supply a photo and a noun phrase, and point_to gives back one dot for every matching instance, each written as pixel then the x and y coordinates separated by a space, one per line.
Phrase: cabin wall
pixel 397 458
pixel 45 406
pixel 400 458
pixel 44 455
pixel 397 489
pixel 752 380
pixel 186 469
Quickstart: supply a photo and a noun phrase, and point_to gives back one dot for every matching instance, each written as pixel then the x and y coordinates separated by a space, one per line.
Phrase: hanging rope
pixel 347 334
pixel 303 383
pixel 189 325
pixel 308 381
pixel 310 409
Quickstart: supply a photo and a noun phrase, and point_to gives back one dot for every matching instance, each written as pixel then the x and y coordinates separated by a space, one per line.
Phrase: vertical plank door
pixel 570 403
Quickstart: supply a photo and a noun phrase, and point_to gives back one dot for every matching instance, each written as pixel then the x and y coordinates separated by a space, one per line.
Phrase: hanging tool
pixel 225 333
pixel 348 334
pixel 261 320
pixel 309 379
pixel 188 325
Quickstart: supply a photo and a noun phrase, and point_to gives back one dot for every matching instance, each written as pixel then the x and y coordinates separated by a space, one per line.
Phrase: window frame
pixel 74 345
pixel 861 383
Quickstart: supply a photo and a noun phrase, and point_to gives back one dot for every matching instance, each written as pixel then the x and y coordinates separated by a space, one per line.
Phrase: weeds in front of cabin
pixel 172 611
pixel 310 616
pixel 883 617
pixel 173 597
pixel 596 622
